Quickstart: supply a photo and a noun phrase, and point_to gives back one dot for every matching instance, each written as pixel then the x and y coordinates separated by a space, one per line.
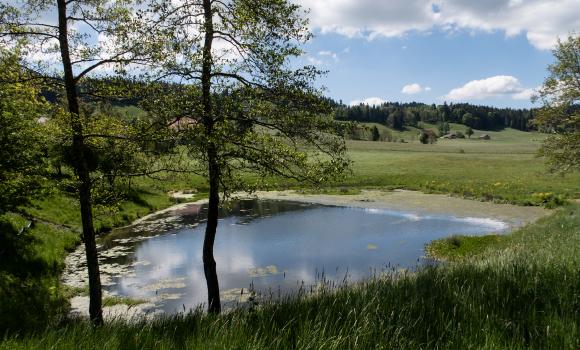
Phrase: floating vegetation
pixel 175 283
pixel 263 271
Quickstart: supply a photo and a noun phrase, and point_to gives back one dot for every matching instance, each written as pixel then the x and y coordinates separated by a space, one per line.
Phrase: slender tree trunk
pixel 82 170
pixel 209 265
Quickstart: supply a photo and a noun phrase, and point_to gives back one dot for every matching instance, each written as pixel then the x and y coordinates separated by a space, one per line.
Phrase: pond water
pixel 277 247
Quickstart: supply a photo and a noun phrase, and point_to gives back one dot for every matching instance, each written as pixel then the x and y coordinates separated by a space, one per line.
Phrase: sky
pixel 492 52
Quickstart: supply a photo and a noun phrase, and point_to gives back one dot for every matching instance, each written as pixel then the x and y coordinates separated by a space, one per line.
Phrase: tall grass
pixel 520 293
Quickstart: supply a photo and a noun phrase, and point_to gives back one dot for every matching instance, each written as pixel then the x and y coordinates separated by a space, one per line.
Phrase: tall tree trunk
pixel 82 170
pixel 209 265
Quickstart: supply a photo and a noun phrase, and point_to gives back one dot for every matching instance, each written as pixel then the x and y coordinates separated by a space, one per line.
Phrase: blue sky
pixel 491 52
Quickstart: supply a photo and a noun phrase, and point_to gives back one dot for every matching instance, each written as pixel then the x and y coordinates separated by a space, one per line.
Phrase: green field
pixel 503 169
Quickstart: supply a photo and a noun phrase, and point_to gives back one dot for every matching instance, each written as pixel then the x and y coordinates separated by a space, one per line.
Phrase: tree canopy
pixel 560 114
pixel 22 112
pixel 56 52
pixel 248 108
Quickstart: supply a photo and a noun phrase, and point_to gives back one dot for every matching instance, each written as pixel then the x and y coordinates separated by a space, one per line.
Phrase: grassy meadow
pixel 503 169
pixel 517 291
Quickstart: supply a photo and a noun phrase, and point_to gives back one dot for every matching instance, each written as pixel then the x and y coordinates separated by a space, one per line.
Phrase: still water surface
pixel 277 247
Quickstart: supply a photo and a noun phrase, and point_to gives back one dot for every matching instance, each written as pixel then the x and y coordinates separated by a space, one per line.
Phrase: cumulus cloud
pixel 497 86
pixel 414 88
pixel 330 54
pixel 542 21
pixel 314 61
pixel 371 101
pixel 325 57
pixel 525 94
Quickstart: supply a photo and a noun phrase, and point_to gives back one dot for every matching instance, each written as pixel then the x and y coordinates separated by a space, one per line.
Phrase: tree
pixel 443 128
pixel 249 109
pixel 395 120
pixel 427 136
pixel 21 158
pixel 375 133
pixel 560 114
pixel 60 54
pixel 469 120
pixel 468 131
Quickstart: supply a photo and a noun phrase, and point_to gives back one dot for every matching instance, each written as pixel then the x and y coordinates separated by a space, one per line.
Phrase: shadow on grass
pixel 28 284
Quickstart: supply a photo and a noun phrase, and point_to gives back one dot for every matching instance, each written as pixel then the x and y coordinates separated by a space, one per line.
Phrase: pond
pixel 272 247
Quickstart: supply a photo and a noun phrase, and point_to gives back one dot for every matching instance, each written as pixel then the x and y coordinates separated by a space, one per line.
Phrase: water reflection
pixel 275 246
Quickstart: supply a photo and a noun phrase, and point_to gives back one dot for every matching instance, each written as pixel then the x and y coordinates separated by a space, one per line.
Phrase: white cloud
pixel 314 61
pixel 542 21
pixel 371 101
pixel 330 54
pixel 411 89
pixel 497 86
pixel 526 94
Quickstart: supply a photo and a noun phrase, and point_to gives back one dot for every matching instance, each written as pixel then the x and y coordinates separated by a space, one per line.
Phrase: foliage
pixel 271 122
pixel 427 136
pixel 117 149
pixel 22 160
pixel 468 131
pixel 246 109
pixel 106 41
pixel 443 128
pixel 548 199
pixel 375 133
pixel 560 114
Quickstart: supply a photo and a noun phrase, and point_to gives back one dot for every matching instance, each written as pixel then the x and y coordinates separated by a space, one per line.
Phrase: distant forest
pixel 399 115
pixel 394 115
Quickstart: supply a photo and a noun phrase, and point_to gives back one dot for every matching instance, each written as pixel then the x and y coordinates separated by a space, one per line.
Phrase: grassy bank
pixel 33 247
pixel 519 293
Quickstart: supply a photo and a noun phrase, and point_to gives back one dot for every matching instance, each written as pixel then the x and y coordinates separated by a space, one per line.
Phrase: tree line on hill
pixel 395 115
pixel 398 115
